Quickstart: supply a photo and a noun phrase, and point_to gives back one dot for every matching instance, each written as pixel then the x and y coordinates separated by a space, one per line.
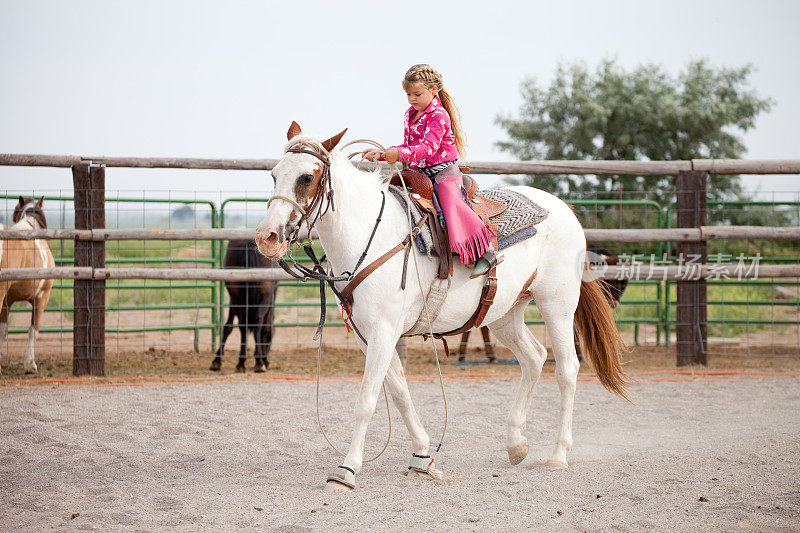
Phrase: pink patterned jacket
pixel 429 140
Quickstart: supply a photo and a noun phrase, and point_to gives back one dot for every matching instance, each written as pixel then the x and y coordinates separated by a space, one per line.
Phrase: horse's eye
pixel 306 179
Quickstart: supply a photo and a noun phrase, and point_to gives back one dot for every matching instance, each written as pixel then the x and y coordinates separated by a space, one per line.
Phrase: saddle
pixel 421 192
pixel 420 189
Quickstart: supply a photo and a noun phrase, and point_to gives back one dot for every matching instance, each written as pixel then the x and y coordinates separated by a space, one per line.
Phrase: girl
pixel 433 140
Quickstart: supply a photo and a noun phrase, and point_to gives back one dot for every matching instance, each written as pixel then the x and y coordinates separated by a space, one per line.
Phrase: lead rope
pixel 433 473
pixel 398 169
pixel 319 422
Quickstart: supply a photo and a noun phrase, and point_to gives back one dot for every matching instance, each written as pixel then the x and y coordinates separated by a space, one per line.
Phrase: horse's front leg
pixel 421 464
pixel 382 340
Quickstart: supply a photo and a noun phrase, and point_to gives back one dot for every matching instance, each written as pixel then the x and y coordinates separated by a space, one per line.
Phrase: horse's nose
pixel 271 243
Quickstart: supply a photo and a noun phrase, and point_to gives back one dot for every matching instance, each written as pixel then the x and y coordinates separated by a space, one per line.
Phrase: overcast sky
pixel 225 79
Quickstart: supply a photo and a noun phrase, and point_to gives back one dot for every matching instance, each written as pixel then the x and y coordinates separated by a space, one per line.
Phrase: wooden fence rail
pixel 639 168
pixel 703 233
pixel 639 271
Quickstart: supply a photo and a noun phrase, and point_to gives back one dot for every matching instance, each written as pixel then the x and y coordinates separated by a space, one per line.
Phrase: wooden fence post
pixel 89 349
pixel 691 327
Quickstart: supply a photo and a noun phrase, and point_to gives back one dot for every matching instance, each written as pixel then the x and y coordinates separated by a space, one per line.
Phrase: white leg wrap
pixel 419 462
pixel 421 466
pixel 343 475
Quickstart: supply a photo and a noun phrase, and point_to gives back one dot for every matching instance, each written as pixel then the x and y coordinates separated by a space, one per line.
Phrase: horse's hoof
pixel 31 370
pixel 335 486
pixel 431 473
pixel 518 452
pixel 422 466
pixel 556 464
pixel 259 368
pixel 240 369
pixel 216 364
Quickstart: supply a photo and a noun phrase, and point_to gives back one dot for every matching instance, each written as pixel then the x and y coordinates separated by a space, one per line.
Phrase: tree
pixel 644 114
pixel 184 212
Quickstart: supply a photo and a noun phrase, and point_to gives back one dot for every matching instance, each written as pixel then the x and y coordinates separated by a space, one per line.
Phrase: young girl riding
pixel 432 143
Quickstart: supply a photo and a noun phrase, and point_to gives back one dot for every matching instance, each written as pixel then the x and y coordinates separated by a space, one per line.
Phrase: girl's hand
pixel 391 155
pixel 370 154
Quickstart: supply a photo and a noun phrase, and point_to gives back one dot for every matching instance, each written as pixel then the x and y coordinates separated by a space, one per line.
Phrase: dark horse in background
pixel 614 293
pixel 252 303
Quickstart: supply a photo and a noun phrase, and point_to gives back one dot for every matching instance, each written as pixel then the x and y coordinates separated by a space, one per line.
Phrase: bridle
pixel 324 192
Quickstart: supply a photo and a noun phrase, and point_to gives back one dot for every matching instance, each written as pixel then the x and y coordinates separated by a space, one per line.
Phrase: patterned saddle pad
pixel 515 224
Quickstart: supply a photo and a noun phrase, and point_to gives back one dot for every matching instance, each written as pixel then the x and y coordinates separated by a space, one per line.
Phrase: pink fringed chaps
pixel 469 236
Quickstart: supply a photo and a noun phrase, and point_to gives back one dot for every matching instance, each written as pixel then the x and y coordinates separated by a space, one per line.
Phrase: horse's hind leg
pixel 558 314
pixel 487 344
pixel 512 331
pixel 462 348
pixel 3 321
pixel 243 323
pixel 264 340
pixel 29 363
pixel 216 364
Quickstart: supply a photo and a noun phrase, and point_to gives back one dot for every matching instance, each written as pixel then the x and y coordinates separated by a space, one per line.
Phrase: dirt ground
pixel 714 451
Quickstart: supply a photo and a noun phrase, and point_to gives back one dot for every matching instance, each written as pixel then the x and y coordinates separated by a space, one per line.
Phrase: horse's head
pixel 301 193
pixel 30 207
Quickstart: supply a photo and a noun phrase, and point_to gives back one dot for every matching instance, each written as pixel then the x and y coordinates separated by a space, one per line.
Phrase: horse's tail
pixel 599 335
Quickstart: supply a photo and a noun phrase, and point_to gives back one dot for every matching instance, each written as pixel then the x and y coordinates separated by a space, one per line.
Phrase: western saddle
pixel 420 190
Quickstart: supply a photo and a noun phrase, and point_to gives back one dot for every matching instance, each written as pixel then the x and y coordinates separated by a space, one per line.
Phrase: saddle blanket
pixel 515 224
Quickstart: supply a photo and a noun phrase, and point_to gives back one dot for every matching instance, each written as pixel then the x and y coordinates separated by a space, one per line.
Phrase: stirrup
pixel 343 475
pixel 485 263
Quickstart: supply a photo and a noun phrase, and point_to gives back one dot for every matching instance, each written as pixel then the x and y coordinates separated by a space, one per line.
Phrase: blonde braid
pixel 430 77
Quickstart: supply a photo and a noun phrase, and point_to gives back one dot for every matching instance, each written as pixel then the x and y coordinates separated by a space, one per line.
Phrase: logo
pixel 593 265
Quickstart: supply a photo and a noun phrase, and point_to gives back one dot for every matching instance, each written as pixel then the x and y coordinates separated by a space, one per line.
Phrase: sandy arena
pixel 719 452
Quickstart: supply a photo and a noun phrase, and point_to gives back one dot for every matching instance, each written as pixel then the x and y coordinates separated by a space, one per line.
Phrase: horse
pixel 315 184
pixel 252 303
pixel 597 257
pixel 28 215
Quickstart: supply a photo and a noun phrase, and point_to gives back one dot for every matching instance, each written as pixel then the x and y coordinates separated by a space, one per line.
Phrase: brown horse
pixel 28 214
pixel 252 303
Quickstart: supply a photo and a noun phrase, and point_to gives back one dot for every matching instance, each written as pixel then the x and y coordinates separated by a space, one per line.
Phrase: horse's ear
pixel 331 143
pixel 294 131
pixel 40 202
pixel 21 200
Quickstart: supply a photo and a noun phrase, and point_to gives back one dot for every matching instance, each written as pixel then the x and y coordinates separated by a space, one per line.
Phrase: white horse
pixel 546 268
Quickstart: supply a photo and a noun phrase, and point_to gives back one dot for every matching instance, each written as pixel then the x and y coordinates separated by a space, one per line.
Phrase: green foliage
pixel 643 114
